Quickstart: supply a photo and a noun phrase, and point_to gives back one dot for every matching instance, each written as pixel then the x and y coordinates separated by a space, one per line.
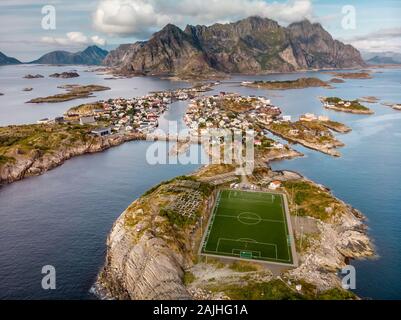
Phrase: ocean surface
pixel 62 218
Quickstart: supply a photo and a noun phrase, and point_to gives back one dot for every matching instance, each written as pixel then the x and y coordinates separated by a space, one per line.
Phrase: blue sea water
pixel 62 218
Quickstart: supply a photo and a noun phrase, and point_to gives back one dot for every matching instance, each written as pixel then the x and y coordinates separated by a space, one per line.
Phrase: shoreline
pixel 36 165
pixel 339 109
pixel 326 150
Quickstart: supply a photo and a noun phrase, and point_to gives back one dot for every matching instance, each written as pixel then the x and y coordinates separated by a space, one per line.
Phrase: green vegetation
pixel 290 84
pixel 336 294
pixel 311 200
pixel 236 106
pixel 273 290
pixel 278 290
pixel 249 225
pixel 73 92
pixel 336 126
pixel 4 160
pixel 188 278
pixel 175 218
pixel 41 138
pixel 242 266
pixel 311 132
pixel 85 109
pixel 353 75
pixel 205 188
pixel 339 103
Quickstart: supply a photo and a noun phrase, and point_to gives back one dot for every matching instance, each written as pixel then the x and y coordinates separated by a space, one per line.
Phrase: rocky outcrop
pixel 36 163
pixel 341 239
pixel 65 75
pixel 252 45
pixel 92 55
pixel 144 269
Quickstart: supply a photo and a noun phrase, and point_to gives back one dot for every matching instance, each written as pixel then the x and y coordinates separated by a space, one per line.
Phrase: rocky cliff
pixel 92 55
pixel 141 269
pixel 252 45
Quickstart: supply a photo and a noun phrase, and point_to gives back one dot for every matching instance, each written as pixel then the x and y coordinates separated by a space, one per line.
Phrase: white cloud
pixel 141 17
pixel 74 39
pixel 379 41
pixel 98 41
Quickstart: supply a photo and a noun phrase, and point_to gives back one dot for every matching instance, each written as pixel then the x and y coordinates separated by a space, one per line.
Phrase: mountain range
pixel 92 55
pixel 383 57
pixel 252 45
pixel 4 60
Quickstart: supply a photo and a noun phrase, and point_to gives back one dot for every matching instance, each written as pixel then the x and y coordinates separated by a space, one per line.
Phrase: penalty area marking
pixel 247 241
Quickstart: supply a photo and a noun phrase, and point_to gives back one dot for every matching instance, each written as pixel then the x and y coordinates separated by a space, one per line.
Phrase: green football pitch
pixel 249 225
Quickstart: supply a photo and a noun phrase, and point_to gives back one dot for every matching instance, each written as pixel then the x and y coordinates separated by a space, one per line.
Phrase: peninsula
pixel 154 234
pixel 313 134
pixel 338 104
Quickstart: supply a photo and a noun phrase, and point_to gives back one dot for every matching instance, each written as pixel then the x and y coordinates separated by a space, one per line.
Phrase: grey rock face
pixel 252 45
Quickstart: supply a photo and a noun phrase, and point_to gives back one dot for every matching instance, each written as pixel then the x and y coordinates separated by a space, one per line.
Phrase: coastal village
pixel 227 111
pixel 135 115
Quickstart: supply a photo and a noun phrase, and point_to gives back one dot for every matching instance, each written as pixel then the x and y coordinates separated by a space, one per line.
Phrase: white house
pixel 274 185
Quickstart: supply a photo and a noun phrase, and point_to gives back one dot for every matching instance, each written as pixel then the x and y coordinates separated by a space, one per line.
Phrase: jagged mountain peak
pixel 251 45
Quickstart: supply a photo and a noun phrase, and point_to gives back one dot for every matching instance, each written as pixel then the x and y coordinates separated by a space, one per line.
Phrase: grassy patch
pixel 4 160
pixel 291 84
pixel 175 218
pixel 241 266
pixel 354 104
pixel 278 290
pixel 311 200
pixel 42 138
pixel 273 290
pixel 189 277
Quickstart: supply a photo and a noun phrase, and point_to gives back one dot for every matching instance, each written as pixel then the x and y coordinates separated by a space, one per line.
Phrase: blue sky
pixel 109 23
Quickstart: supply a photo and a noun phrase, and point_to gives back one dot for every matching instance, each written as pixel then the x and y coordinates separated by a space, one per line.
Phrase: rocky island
pixel 337 80
pixel 33 76
pixel 73 92
pixel 65 75
pixel 369 99
pixel 338 104
pixel 301 83
pixel 152 251
pixel 395 106
pixel 353 75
